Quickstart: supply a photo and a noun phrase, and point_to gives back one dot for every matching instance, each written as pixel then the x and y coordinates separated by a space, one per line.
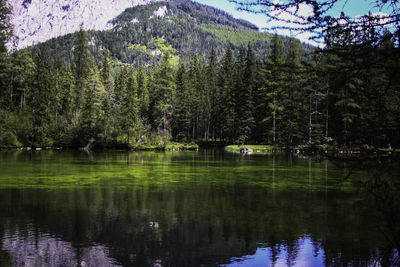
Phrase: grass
pixel 238 37
pixel 180 146
pixel 257 149
pixel 162 147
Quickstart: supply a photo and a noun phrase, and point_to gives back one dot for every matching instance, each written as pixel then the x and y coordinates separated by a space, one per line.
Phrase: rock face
pixel 40 20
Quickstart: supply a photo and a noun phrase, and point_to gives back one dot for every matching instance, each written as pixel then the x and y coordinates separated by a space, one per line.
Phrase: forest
pixel 343 95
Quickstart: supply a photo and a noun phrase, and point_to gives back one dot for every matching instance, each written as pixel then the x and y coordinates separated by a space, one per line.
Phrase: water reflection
pixel 183 209
pixel 34 248
pixel 303 252
pixel 186 227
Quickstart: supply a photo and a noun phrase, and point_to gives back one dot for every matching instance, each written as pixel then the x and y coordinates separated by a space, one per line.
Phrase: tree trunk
pixel 274 123
pixel 90 144
pixel 327 114
pixel 310 122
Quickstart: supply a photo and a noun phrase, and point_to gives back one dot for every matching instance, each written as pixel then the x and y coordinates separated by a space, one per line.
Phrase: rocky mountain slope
pixel 141 35
pixel 39 20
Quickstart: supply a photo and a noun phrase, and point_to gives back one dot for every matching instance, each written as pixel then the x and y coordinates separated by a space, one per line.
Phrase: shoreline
pixel 235 149
pixel 169 147
pixel 308 150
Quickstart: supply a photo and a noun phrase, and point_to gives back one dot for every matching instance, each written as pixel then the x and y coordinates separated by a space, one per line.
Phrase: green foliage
pixel 8 139
pixel 6 29
pixel 143 94
pixel 164 93
pixel 236 36
pixel 82 60
pixel 92 114
pixel 257 149
pixel 182 116
pixel 40 102
pixel 208 84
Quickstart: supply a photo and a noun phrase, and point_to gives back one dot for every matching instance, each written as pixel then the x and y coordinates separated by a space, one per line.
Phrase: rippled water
pixel 203 208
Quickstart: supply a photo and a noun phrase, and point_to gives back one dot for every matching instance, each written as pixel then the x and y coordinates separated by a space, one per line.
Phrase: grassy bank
pixel 137 147
pixel 165 147
pixel 257 149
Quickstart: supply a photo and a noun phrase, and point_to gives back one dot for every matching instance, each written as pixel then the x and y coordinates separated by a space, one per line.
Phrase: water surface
pixel 205 208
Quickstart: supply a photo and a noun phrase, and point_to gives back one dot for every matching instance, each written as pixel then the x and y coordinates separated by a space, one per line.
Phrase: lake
pixel 206 208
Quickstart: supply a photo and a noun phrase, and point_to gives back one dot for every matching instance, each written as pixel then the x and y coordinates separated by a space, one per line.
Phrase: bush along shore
pixel 309 149
pixel 166 147
pixel 252 149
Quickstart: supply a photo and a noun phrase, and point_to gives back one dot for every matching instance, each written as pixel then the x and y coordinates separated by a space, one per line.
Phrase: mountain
pixel 39 20
pixel 141 35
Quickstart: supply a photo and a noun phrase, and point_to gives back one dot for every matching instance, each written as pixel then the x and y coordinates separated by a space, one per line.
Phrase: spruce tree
pixel 226 83
pixel 143 94
pixel 293 96
pixel 130 107
pixel 40 100
pixel 6 28
pixel 20 75
pixel 164 93
pixel 196 89
pixel 247 120
pixel 91 115
pixel 275 87
pixel 181 118
pixel 106 76
pixel 82 64
pixel 214 95
pixel 238 95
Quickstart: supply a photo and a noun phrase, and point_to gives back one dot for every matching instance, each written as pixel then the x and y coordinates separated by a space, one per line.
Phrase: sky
pixel 351 8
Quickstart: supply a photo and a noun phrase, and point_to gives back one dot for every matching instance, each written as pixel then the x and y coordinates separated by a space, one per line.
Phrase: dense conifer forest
pixel 223 90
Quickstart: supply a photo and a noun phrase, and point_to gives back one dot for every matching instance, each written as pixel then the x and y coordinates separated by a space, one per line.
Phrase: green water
pixel 206 208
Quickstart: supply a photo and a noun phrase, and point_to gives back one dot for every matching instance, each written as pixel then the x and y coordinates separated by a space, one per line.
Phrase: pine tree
pixel 6 29
pixel 293 96
pixel 164 93
pixel 63 105
pixel 121 85
pixel 40 100
pixel 261 100
pixel 91 114
pixel 196 89
pixel 106 76
pixel 214 95
pixel 276 86
pixel 130 108
pixel 226 84
pixel 181 117
pixel 23 69
pixel 82 64
pixel 210 83
pixel 143 94
pixel 238 94
pixel 247 121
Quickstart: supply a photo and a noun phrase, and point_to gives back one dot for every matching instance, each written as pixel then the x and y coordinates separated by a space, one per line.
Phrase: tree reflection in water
pixel 34 248
pixel 183 209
